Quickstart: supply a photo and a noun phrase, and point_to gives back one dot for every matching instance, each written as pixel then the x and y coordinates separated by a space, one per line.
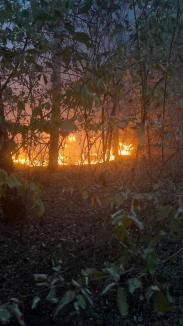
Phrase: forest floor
pixel 75 233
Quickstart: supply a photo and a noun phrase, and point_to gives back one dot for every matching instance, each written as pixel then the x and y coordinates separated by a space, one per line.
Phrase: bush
pixel 17 195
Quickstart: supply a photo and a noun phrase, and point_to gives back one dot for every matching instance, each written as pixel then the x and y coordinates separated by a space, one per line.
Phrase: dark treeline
pixel 100 67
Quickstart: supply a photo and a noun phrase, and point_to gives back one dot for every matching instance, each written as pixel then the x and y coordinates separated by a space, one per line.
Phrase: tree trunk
pixel 55 116
pixel 6 162
pixel 115 145
pixel 113 140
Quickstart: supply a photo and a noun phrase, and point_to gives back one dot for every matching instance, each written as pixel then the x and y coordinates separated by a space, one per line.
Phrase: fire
pixel 72 138
pixel 125 149
pixel 22 158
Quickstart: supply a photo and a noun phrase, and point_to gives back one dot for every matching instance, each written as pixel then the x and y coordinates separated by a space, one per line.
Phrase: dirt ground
pixel 76 231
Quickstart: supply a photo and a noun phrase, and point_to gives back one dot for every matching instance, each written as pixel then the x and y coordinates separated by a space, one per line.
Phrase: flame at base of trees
pixel 23 159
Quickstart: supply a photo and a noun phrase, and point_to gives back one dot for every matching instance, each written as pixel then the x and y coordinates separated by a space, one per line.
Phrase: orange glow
pixel 22 158
pixel 72 138
pixel 125 149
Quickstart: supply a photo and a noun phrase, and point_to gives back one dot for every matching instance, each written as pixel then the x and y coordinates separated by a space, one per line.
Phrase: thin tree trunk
pixel 55 116
pixel 103 134
pixel 113 140
pixel 166 83
pixel 6 162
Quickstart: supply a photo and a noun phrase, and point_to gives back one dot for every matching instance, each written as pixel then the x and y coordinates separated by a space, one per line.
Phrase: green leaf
pixel 108 288
pixel 81 301
pixel 160 302
pixel 115 271
pixel 151 260
pixel 86 6
pixel 3 177
pixel 134 284
pixel 136 221
pixel 17 312
pixel 51 297
pixel 41 277
pixel 120 217
pixel 13 181
pixel 120 232
pixel 87 295
pixel 150 291
pixel 35 302
pixel 68 297
pixel 5 315
pixel 82 38
pixel 88 271
pixel 164 212
pixel 122 302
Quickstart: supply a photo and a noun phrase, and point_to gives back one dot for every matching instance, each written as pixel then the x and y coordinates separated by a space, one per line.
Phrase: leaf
pixel 86 6
pixel 155 240
pixel 115 271
pixel 149 292
pixel 138 223
pixel 3 177
pixel 160 302
pixel 35 302
pixel 117 217
pixel 134 284
pixel 164 212
pixel 81 301
pixel 120 232
pixel 108 288
pixel 122 302
pixel 151 260
pixel 126 219
pixel 5 315
pixel 13 181
pixel 51 297
pixel 82 38
pixel 86 293
pixel 41 277
pixel 14 308
pixel 68 297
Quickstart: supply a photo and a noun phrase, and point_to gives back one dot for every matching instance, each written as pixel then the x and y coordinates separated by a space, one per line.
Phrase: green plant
pixel 138 279
pixel 21 193
pixel 11 310
pixel 60 293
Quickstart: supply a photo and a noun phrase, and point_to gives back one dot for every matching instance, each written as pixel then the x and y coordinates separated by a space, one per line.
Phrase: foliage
pixel 11 310
pixel 61 293
pixel 28 192
pixel 137 279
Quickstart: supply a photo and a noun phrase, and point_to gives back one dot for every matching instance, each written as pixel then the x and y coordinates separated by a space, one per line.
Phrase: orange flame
pixel 124 150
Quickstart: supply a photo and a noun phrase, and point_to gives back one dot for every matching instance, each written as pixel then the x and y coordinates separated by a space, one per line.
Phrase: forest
pixel 91 162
